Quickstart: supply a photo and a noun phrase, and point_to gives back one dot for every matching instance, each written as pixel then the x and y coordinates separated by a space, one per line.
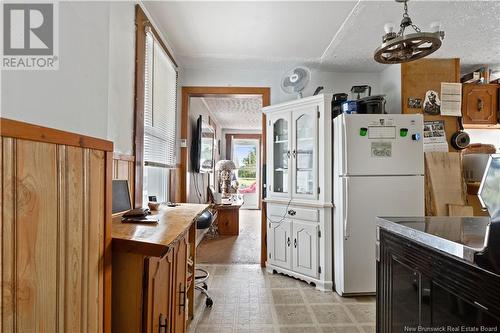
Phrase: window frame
pixel 142 22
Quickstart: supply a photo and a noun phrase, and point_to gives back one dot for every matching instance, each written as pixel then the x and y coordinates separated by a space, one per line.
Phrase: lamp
pixel 224 169
pixel 398 47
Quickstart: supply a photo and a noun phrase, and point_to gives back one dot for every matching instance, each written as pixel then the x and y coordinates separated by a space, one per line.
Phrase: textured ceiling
pixel 331 35
pixel 236 112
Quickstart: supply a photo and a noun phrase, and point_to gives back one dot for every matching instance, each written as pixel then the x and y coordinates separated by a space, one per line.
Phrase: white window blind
pixel 160 106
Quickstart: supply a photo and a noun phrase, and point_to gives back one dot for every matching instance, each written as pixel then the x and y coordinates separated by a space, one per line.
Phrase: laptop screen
pixel 489 192
pixel 121 196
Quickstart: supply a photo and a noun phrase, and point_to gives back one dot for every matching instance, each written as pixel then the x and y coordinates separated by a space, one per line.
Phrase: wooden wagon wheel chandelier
pixel 398 47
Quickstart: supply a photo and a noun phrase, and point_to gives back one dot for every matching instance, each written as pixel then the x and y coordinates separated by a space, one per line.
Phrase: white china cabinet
pixel 299 195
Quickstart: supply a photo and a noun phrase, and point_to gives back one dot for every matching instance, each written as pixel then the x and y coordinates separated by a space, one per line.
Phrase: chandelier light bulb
pixel 435 26
pixel 389 27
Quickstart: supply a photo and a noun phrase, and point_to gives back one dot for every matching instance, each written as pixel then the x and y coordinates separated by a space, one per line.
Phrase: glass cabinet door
pixel 305 133
pixel 281 155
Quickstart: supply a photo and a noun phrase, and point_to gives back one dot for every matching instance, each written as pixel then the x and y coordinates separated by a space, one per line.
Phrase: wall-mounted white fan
pixel 295 81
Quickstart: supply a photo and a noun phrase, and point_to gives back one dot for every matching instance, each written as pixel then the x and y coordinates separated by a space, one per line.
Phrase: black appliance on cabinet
pixel 337 101
pixel 372 104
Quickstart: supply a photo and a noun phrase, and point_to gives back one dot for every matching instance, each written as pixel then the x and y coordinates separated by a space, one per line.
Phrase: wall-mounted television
pixel 202 147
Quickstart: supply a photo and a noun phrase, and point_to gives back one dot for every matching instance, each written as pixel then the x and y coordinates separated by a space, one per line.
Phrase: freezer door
pixel 367 198
pixel 382 144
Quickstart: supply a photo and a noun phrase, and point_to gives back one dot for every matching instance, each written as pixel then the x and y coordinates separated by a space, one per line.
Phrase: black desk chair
pixel 204 221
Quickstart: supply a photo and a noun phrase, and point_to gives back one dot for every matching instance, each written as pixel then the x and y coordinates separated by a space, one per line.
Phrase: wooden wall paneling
pixel 427 74
pixel 106 277
pixel 96 230
pixel 72 165
pixel 36 255
pixel 55 227
pixel 174 185
pixel 8 225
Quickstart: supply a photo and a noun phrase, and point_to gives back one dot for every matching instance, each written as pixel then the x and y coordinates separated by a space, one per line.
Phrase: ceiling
pixel 328 35
pixel 242 113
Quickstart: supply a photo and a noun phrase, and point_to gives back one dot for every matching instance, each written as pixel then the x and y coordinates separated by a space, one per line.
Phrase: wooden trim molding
pixel 20 130
pixel 123 157
pixel 190 91
pixel 140 46
pixel 108 259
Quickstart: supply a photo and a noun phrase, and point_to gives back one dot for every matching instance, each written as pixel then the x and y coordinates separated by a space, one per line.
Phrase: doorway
pixel 244 150
pixel 244 92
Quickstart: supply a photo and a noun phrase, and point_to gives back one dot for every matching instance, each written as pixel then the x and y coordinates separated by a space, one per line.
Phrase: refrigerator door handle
pixel 344 146
pixel 346 206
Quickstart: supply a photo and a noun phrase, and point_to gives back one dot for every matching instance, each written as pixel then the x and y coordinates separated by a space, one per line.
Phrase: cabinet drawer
pixel 293 212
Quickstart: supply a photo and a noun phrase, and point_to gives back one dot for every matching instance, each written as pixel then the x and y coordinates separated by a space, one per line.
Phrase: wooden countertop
pixel 155 239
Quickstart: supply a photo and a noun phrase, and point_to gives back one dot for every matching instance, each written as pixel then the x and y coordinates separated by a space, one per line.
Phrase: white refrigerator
pixel 378 171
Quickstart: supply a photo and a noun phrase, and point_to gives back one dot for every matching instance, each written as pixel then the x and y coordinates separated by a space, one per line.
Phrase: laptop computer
pixel 121 196
pixel 121 204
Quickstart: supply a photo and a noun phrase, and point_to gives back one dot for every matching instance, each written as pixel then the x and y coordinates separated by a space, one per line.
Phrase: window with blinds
pixel 160 106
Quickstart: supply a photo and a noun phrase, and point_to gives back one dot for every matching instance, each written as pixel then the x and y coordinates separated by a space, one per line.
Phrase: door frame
pixel 192 91
pixel 229 141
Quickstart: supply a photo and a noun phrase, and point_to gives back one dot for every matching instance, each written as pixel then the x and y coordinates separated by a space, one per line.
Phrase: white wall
pixel 75 97
pixel 121 81
pixel 390 85
pixel 92 93
pixel 333 82
pixel 486 136
pixel 202 180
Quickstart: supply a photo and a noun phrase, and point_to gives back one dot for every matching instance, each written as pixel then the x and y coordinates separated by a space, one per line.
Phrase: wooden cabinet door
pixel 480 104
pixel 159 294
pixel 280 242
pixel 305 248
pixel 179 287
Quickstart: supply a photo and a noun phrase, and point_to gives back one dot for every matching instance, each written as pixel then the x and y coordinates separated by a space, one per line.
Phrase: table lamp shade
pixel 226 165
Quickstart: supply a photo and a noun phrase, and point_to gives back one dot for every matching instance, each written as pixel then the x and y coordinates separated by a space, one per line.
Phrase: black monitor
pixel 121 196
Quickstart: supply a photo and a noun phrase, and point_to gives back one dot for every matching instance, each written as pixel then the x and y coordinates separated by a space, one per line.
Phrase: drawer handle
pixel 291 212
pixel 480 105
pixel 163 323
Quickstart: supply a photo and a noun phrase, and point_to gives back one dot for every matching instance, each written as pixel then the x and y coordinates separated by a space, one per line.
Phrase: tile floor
pixel 247 299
